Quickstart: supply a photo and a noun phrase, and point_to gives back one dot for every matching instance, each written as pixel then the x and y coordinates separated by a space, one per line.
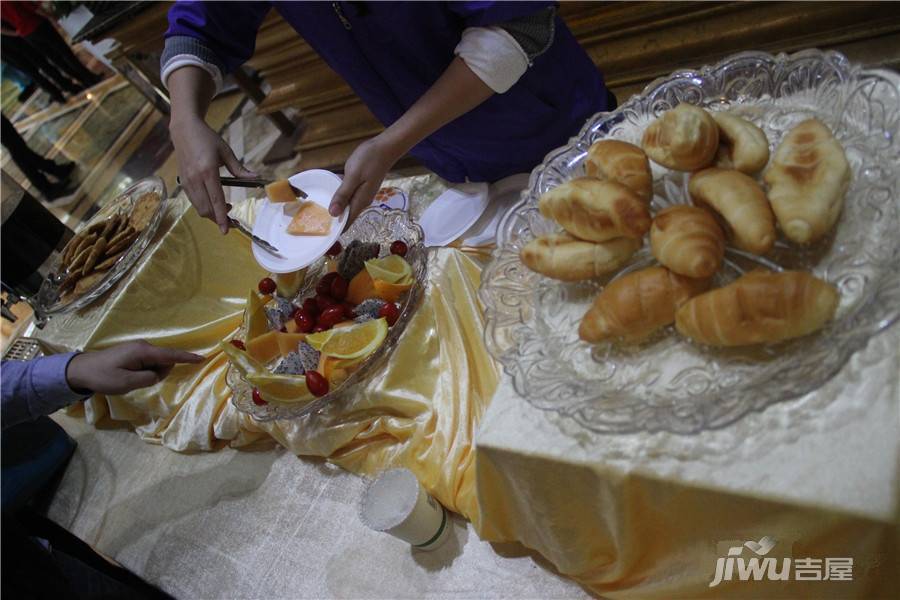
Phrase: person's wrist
pixel 391 145
pixel 75 375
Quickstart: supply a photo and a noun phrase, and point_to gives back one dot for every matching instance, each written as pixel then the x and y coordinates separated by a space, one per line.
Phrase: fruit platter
pixel 721 242
pixel 308 338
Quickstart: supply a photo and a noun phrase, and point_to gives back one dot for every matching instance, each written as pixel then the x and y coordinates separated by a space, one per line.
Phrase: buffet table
pixel 233 513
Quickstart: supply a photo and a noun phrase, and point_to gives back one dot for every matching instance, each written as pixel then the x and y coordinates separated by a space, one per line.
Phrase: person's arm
pixel 198 149
pixel 42 386
pixel 491 57
pixel 457 91
pixel 205 40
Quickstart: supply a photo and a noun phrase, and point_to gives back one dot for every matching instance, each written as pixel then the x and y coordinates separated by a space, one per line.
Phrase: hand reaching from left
pixel 124 367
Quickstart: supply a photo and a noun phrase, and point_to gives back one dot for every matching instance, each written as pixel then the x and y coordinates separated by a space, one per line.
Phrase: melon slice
pixel 263 348
pixel 255 315
pixel 311 219
pixel 280 191
pixel 289 283
pixel 288 342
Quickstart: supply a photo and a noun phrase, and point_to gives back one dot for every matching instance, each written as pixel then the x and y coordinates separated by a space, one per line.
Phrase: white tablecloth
pixel 647 515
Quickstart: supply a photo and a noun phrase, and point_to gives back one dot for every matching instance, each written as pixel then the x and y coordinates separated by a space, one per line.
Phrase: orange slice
pixel 361 287
pixel 390 292
pixel 311 219
pixel 356 342
pixel 281 388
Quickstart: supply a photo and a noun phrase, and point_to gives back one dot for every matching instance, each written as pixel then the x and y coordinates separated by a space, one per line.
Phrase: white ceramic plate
pixel 453 212
pixel 298 250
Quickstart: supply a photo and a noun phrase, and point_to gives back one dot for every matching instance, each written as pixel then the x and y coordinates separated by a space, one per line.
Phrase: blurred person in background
pixel 25 19
pixel 35 167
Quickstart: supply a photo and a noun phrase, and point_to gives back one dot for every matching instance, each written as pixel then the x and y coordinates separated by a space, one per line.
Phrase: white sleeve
pixel 183 60
pixel 493 55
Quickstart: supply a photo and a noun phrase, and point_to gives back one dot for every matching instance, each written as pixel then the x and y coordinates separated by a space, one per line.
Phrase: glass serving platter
pixel 669 383
pixel 48 302
pixel 373 225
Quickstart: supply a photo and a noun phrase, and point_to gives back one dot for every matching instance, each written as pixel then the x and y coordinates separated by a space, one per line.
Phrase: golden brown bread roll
pixel 596 210
pixel 807 181
pixel 759 307
pixel 742 145
pixel 637 304
pixel 741 203
pixel 687 240
pixel 685 138
pixel 623 163
pixel 562 256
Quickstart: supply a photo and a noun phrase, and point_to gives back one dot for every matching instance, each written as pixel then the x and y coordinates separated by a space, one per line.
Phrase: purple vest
pixel 390 53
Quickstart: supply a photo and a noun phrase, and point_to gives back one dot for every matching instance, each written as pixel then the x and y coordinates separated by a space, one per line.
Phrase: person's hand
pixel 124 367
pixel 200 152
pixel 364 172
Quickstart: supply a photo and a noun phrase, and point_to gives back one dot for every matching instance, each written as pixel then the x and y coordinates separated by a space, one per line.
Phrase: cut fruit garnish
pixel 392 269
pixel 390 292
pixel 255 315
pixel 242 361
pixel 318 340
pixel 356 342
pixel 310 219
pixel 281 388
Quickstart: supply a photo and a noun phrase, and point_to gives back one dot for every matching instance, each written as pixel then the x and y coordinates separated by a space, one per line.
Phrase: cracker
pixel 79 259
pixel 109 225
pixel 86 283
pixel 108 262
pixel 123 243
pixel 143 210
pixel 96 251
pixel 121 235
pixel 69 251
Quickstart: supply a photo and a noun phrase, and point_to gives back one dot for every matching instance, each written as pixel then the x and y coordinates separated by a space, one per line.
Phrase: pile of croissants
pixel 606 215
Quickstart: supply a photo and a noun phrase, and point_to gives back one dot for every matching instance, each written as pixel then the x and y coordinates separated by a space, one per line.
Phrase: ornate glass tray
pixel 668 383
pixel 373 225
pixel 48 302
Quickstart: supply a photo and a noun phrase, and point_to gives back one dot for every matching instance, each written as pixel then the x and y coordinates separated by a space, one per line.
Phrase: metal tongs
pixel 258 183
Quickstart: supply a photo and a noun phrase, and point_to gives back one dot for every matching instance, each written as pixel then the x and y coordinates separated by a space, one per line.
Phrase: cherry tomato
pixel 399 248
pixel 238 344
pixel 317 384
pixel 311 306
pixel 324 301
pixel 267 285
pixel 324 285
pixel 334 250
pixel 257 398
pixel 338 288
pixel 349 311
pixel 305 321
pixel 297 311
pixel 390 312
pixel 331 316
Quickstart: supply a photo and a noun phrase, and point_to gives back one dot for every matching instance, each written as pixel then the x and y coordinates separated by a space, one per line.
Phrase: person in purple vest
pixel 476 91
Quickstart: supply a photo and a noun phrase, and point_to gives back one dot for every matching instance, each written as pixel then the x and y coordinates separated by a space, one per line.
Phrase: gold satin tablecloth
pixel 188 292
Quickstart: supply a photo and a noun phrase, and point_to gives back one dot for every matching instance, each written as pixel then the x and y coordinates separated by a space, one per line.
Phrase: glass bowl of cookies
pixel 723 241
pixel 104 249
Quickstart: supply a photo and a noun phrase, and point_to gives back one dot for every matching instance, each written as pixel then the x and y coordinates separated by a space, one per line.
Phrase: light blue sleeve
pixel 34 388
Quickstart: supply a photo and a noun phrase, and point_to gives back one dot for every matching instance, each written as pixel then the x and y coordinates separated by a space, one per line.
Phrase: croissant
pixel 742 145
pixel 757 308
pixel 638 304
pixel 741 203
pixel 807 181
pixel 596 210
pixel 687 240
pixel 562 256
pixel 685 138
pixel 623 163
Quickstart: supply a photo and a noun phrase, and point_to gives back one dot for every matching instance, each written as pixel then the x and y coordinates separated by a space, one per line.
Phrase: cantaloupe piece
pixel 291 326
pixel 288 342
pixel 390 292
pixel 311 219
pixel 263 348
pixel 280 191
pixel 255 315
pixel 361 287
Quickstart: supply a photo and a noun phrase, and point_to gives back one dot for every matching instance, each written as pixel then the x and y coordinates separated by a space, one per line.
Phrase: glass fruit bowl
pixel 381 227
pixel 48 301
pixel 669 383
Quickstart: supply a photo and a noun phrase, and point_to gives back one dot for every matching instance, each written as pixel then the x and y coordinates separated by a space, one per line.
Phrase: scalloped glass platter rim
pixel 373 224
pixel 48 304
pixel 670 384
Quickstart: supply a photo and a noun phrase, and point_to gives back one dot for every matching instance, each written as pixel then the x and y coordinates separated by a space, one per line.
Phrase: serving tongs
pixel 251 182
